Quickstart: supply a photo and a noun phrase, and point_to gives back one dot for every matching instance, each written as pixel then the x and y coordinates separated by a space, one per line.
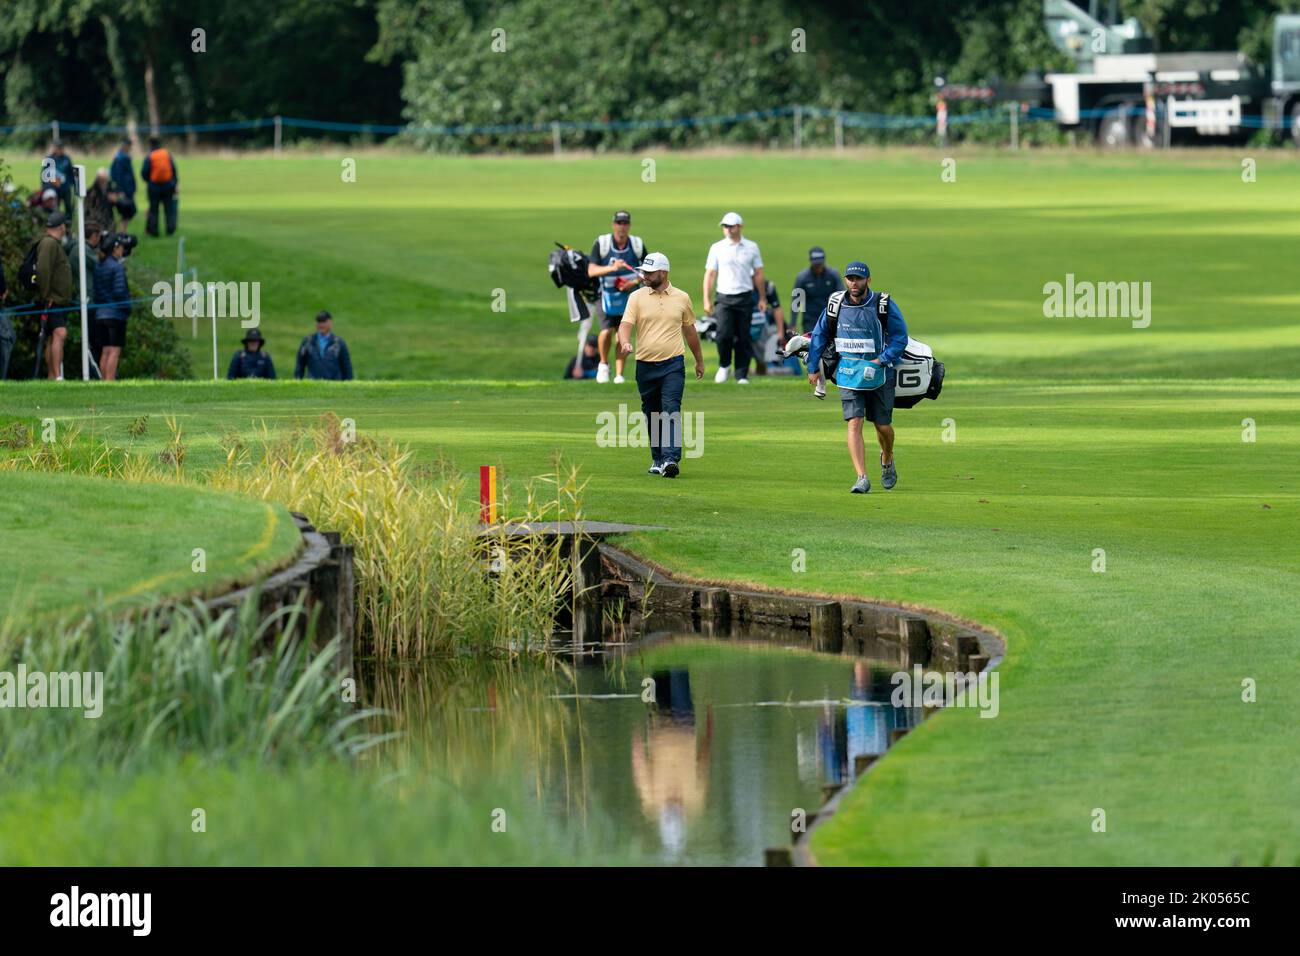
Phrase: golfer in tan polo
pixel 661 315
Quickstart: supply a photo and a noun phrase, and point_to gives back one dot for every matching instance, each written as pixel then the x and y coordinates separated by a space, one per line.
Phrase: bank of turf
pixel 1122 689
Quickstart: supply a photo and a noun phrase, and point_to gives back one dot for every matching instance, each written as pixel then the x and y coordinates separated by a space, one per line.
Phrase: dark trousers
pixel 661 385
pixel 161 195
pixel 733 314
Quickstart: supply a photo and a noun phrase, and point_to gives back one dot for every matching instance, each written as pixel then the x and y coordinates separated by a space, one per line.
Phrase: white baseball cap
pixel 655 262
pixel 732 219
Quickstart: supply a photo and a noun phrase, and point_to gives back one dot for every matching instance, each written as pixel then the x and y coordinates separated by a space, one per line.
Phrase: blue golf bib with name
pixel 859 338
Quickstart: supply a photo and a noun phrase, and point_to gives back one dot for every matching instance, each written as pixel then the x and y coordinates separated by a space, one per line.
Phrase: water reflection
pixel 670 761
pixel 686 751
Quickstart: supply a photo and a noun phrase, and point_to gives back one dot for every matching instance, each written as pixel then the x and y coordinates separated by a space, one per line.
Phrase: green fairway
pixel 1122 690
pixel 68 540
pixel 409 256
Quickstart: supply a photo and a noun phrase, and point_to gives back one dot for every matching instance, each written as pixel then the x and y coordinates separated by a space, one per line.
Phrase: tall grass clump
pixel 168 680
pixel 430 581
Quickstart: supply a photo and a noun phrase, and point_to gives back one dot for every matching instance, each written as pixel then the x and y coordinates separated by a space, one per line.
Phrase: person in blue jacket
pixel 324 354
pixel 252 361
pixel 869 336
pixel 121 179
pixel 112 304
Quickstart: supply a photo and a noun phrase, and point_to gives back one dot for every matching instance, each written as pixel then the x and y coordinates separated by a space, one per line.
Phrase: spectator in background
pixel 251 361
pixel 812 289
pixel 324 354
pixel 122 183
pixel 53 291
pixel 614 259
pixel 736 265
pixel 57 173
pixel 590 360
pixel 44 201
pixel 110 317
pixel 159 173
pixel 99 202
pixel 93 235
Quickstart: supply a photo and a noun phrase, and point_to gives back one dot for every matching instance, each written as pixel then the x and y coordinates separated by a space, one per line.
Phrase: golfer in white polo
pixel 736 266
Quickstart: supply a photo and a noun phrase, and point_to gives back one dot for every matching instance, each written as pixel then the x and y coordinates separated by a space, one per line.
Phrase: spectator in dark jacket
pixel 57 173
pixel 251 361
pixel 99 202
pixel 122 183
pixel 324 354
pixel 590 360
pixel 159 173
pixel 112 305
pixel 53 291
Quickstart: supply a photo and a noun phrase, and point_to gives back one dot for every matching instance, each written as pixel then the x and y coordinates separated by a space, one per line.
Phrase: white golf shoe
pixel 602 373
pixel 619 380
pixel 721 376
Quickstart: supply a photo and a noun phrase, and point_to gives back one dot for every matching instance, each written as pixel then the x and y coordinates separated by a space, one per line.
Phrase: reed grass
pixel 181 680
pixel 430 580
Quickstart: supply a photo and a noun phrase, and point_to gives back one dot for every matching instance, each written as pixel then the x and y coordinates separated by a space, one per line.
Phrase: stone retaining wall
pixel 322 576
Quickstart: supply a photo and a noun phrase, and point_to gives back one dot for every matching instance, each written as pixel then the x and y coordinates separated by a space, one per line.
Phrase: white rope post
pixel 54 129
pixel 81 268
pixel 555 139
pixel 212 311
pixel 798 128
pixel 839 131
pixel 279 134
pixel 1015 125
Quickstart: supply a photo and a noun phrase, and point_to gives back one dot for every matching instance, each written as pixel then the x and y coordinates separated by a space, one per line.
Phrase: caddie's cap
pixel 857 268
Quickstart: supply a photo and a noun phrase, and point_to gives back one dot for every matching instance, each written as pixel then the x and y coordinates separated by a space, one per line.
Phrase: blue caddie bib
pixel 859 338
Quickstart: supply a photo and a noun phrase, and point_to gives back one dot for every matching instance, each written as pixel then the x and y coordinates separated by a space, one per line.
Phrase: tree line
pixel 509 62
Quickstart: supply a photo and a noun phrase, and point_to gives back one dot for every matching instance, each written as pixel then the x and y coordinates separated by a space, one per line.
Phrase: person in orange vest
pixel 159 173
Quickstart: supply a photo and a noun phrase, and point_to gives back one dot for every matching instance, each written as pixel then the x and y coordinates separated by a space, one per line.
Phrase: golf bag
pixel 568 269
pixel 919 375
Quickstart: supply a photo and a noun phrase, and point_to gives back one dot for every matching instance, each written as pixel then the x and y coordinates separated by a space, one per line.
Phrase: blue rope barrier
pixel 857 120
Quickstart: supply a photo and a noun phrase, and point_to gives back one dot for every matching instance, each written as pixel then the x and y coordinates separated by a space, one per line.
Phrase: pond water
pixel 687 750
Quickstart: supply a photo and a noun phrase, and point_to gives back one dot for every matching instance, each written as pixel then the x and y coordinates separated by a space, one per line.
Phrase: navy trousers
pixel 661 385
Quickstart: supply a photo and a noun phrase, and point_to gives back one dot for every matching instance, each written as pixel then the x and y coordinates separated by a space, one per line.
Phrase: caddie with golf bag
pixel 857 341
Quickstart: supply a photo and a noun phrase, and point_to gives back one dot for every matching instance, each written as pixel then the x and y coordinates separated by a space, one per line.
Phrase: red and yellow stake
pixel 487 493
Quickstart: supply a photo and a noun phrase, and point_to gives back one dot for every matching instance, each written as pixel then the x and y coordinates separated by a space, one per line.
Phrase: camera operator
pixel 112 301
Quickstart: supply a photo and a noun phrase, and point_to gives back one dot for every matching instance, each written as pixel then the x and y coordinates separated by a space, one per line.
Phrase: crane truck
pixel 1123 92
